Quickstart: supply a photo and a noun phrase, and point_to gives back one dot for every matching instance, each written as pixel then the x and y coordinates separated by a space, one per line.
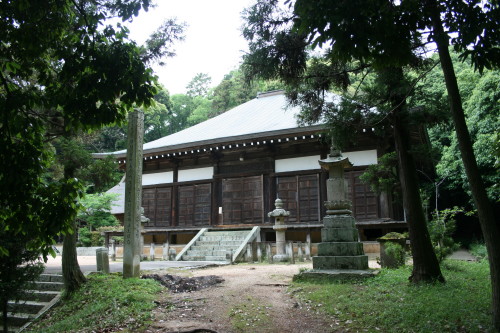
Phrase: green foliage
pixel 382 176
pixel 483 120
pixel 104 303
pixel 199 85
pixel 95 212
pixel 387 303
pixel 80 74
pixel 441 228
pixel 394 235
pixel 395 251
pixel 479 251
pixel 89 238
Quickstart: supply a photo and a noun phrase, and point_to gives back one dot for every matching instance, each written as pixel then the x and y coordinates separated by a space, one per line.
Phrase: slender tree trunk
pixel 425 264
pixel 72 275
pixel 489 226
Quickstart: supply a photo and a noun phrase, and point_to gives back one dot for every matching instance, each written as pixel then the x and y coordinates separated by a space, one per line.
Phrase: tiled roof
pixel 266 115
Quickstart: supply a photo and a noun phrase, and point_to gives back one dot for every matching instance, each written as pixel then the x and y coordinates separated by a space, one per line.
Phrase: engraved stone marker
pixel 133 196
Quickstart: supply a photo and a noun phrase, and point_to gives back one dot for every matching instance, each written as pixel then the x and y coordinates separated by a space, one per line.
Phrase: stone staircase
pixel 216 245
pixel 46 292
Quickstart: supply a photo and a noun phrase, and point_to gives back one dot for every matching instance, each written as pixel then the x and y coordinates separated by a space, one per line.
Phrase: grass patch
pixel 388 303
pixel 105 302
pixel 250 316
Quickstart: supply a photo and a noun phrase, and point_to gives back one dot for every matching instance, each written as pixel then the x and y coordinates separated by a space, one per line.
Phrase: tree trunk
pixel 425 264
pixel 72 275
pixel 489 226
pixel 4 316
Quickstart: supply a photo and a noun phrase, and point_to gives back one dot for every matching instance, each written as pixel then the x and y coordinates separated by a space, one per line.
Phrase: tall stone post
pixel 133 196
pixel 280 227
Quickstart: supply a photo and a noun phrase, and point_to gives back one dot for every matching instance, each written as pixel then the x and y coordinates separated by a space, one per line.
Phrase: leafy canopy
pixel 62 69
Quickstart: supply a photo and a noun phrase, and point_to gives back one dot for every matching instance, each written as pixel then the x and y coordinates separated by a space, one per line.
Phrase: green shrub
pixel 441 227
pixel 479 251
pixel 395 251
pixel 84 236
pixel 90 238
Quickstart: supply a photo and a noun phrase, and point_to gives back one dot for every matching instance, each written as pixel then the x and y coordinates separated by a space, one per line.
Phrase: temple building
pixel 226 173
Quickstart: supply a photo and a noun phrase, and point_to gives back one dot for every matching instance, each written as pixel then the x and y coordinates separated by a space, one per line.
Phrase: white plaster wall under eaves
pixel 157 178
pixel 195 174
pixel 357 158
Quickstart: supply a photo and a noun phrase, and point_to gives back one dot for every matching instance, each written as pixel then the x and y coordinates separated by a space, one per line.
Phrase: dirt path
pixel 252 298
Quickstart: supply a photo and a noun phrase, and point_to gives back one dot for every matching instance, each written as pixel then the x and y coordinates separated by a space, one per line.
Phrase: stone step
pixel 49 286
pixel 222 247
pixel 207 253
pixel 188 257
pixel 215 258
pixel 235 243
pixel 28 307
pixel 40 296
pixel 51 278
pixel 16 319
pixel 218 238
pixel 215 245
pixel 228 232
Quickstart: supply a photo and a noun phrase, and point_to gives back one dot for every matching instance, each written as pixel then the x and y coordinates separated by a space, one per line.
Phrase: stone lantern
pixel 339 248
pixel 280 227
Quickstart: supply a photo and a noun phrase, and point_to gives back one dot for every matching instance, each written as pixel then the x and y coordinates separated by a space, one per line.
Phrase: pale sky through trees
pixel 213 44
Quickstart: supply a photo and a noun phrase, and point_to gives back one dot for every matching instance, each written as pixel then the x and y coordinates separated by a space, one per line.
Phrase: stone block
pixel 340 262
pixel 333 221
pixel 339 234
pixel 340 249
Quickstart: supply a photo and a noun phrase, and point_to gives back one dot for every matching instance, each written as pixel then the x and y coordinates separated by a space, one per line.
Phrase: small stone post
pixel 165 251
pixel 102 260
pixel 259 252
pixel 152 252
pixel 172 254
pixel 113 249
pixel 279 226
pixel 300 253
pixel 308 246
pixel 133 196
pixel 269 252
pixel 289 250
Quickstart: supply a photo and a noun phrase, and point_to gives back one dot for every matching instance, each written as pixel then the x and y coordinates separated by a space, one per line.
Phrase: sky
pixel 213 41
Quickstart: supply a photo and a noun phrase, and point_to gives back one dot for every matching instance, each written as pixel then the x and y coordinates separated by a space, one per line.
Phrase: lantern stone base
pixel 340 249
pixel 334 275
pixel 341 262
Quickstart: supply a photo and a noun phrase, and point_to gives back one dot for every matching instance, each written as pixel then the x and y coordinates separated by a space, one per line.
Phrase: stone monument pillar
pixel 280 227
pixel 339 247
pixel 133 196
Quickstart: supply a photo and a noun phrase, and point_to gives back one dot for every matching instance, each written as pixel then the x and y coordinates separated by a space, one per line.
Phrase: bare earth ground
pixel 252 298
